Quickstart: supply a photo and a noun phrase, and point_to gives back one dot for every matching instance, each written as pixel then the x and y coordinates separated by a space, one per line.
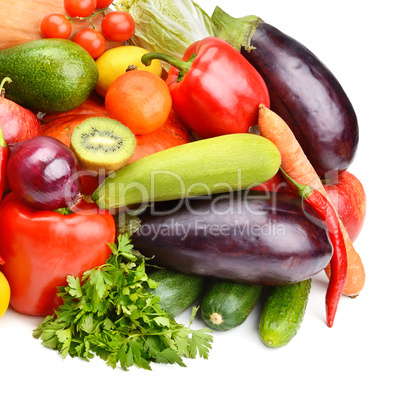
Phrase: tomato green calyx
pixel 304 191
pixel 181 65
pixel 89 18
pixel 2 90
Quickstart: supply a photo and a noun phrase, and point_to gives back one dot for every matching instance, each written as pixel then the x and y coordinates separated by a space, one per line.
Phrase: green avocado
pixel 48 75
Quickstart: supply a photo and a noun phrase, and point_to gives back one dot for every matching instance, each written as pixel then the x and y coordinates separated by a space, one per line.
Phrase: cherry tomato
pixel 55 25
pixel 118 26
pixel 92 41
pixel 140 100
pixel 79 8
pixel 103 3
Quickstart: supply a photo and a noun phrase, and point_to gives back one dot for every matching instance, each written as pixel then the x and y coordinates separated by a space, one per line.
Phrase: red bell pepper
pixel 214 89
pixel 41 248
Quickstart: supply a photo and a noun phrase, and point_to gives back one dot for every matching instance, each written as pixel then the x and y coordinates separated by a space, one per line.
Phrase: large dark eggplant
pixel 302 89
pixel 254 239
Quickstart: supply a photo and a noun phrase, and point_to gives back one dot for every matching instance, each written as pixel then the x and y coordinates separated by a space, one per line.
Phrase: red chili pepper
pixel 41 248
pixel 339 260
pixel 3 164
pixel 214 89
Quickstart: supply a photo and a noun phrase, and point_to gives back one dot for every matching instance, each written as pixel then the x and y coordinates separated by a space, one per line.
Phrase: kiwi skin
pixel 102 143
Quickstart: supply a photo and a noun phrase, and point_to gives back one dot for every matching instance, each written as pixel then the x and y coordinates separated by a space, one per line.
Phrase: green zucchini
pixel 283 313
pixel 226 305
pixel 177 291
pixel 200 168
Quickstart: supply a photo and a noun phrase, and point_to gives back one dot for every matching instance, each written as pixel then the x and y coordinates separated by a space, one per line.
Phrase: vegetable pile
pixel 155 159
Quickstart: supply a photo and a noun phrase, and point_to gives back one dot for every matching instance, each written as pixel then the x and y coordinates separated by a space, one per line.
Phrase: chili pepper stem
pixel 303 190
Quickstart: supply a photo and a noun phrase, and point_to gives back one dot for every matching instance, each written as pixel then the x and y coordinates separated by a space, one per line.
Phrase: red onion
pixel 43 173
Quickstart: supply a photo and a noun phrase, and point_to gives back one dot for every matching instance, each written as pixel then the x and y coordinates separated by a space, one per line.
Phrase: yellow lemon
pixel 114 62
pixel 4 294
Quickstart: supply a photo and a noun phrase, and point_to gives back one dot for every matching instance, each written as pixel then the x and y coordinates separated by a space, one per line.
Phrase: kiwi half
pixel 102 143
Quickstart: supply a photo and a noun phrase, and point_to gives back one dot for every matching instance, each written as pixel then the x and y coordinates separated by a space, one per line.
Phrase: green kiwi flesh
pixel 102 143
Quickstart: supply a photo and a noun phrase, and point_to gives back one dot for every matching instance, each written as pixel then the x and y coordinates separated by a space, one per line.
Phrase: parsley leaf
pixel 110 313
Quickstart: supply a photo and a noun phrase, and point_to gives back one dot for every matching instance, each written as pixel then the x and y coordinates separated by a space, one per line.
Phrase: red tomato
pixel 103 3
pixel 118 26
pixel 140 100
pixel 79 8
pixel 92 41
pixel 55 25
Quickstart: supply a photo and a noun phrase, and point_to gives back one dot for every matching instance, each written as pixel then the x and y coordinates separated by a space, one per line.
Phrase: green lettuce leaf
pixel 167 26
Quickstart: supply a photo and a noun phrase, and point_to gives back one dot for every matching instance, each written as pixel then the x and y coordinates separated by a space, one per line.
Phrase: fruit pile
pixel 208 177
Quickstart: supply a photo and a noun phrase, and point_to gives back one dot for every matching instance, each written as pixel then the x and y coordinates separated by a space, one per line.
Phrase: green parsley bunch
pixel 110 313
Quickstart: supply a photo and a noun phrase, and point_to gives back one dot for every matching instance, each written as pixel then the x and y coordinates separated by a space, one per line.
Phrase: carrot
pixel 296 164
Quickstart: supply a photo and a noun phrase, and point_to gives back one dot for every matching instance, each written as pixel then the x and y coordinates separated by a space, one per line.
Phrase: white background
pixel 360 356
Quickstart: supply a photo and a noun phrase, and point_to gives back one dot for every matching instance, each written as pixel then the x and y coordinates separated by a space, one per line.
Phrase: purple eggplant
pixel 302 89
pixel 252 239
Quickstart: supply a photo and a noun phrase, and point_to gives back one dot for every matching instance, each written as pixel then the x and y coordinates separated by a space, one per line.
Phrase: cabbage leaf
pixel 167 26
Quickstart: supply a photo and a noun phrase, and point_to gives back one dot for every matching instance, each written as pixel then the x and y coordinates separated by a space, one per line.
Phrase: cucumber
pixel 209 166
pixel 177 291
pixel 283 313
pixel 226 304
pixel 48 75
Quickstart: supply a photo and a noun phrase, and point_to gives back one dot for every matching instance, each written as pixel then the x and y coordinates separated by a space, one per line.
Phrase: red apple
pixel 17 123
pixel 349 198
